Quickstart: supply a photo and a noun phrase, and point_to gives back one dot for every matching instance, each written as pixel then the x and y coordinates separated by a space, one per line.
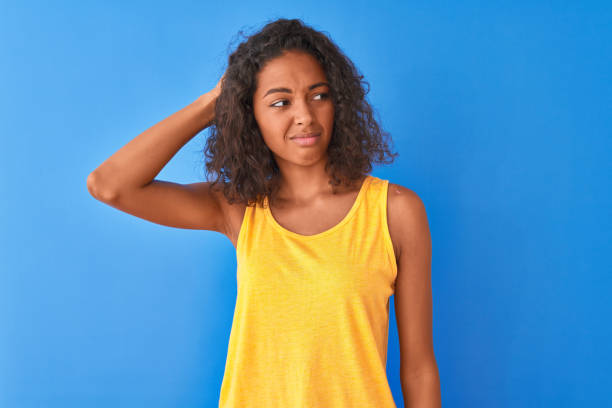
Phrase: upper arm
pixel 189 206
pixel 413 294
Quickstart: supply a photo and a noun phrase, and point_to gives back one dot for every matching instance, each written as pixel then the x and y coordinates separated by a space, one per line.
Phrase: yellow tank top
pixel 311 320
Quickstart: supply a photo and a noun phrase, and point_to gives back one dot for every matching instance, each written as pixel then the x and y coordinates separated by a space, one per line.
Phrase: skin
pixel 306 205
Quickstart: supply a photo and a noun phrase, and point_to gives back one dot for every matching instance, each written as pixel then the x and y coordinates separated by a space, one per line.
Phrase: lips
pixel 309 139
pixel 305 135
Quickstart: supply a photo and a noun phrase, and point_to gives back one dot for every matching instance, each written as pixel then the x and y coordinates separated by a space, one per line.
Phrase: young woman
pixel 321 244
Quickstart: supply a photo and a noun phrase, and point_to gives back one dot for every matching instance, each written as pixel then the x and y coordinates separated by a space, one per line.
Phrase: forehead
pixel 293 69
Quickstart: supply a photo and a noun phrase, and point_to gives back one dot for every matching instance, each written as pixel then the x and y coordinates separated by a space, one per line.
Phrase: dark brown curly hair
pixel 242 162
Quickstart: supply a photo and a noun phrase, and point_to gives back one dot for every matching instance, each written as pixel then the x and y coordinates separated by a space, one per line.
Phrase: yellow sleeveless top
pixel 311 320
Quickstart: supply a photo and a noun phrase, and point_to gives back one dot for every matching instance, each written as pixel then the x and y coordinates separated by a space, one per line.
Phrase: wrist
pixel 206 107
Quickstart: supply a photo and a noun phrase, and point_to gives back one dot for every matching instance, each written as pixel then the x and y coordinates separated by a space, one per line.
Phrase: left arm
pixel 413 299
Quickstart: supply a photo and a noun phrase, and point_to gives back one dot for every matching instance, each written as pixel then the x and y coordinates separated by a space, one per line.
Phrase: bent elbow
pixel 98 191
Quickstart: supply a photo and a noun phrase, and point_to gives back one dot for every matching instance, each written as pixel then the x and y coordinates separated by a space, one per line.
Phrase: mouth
pixel 306 139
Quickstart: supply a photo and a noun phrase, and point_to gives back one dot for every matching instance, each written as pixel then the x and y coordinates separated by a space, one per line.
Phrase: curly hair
pixel 242 162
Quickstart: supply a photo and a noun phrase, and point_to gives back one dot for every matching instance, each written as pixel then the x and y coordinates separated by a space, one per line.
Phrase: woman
pixel 321 244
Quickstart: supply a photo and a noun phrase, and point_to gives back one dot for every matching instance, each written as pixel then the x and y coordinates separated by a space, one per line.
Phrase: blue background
pixel 500 112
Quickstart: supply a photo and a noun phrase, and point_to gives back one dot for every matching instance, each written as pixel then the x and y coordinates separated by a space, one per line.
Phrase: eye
pixel 322 95
pixel 274 105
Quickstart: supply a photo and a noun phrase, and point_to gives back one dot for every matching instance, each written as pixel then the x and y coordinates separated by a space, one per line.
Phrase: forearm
pixel 422 391
pixel 142 158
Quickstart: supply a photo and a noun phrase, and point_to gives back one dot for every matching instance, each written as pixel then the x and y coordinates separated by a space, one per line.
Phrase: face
pixel 292 98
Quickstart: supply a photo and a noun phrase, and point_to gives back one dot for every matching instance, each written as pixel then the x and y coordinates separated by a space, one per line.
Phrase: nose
pixel 303 113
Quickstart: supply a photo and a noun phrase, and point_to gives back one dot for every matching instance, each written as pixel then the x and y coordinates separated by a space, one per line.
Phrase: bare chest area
pixel 315 218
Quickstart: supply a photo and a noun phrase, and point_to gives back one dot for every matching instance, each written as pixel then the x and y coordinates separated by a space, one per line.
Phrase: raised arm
pixel 126 180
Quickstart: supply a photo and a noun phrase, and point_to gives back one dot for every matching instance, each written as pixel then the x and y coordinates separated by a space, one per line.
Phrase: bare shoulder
pixel 406 216
pixel 403 196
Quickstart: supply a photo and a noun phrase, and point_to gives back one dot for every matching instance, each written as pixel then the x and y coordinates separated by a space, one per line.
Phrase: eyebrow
pixel 287 90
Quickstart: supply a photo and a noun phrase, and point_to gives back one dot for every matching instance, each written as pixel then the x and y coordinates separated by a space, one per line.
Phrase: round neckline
pixel 343 221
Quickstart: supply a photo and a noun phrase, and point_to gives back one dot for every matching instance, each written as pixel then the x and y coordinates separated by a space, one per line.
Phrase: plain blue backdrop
pixel 501 113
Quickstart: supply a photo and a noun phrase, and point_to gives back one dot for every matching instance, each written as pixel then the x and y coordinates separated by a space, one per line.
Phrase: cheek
pixel 272 128
pixel 328 109
pixel 327 115
pixel 264 122
pixel 273 122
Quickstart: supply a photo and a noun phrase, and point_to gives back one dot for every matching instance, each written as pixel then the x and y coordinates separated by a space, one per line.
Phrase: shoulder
pixel 404 199
pixel 407 217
